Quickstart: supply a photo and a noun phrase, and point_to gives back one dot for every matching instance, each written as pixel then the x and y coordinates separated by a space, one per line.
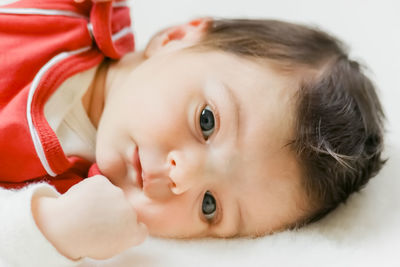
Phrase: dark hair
pixel 339 119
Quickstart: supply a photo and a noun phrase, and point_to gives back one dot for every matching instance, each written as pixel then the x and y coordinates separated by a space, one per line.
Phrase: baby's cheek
pixel 161 218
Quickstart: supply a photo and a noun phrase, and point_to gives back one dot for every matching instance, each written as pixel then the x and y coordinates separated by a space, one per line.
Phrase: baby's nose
pixel 184 171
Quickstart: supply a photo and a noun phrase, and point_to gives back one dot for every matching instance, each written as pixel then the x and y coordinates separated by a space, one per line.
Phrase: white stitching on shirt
pixel 38 11
pixel 122 33
pixel 120 4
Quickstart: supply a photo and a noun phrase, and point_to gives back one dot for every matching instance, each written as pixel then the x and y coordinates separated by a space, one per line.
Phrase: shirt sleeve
pixel 21 241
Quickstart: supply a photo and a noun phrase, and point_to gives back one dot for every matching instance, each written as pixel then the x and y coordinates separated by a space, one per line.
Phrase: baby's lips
pixel 138 167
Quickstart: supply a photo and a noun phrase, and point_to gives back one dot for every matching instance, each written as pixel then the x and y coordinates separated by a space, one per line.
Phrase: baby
pixel 221 128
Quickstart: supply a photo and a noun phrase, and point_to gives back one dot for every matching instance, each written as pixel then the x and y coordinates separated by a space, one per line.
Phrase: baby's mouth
pixel 138 167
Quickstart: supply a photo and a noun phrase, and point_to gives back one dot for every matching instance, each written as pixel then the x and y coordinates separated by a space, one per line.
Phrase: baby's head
pixel 242 128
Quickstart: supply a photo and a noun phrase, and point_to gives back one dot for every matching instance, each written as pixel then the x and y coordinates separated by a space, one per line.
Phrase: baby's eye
pixel 207 123
pixel 209 206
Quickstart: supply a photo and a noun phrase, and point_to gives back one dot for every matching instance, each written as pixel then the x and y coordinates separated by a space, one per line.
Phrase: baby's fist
pixel 93 219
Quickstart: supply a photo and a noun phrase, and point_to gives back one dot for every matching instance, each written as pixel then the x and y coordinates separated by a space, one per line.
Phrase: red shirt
pixel 42 43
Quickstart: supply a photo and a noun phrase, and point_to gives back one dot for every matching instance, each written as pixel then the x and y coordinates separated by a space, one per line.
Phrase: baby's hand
pixel 93 219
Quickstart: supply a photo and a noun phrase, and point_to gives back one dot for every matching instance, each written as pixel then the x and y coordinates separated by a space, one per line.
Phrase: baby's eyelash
pixel 217 116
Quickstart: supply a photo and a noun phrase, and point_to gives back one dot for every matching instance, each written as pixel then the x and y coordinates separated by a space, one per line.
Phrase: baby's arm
pixel 93 219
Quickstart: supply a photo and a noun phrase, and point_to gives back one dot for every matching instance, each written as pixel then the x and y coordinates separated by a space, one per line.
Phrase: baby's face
pixel 210 130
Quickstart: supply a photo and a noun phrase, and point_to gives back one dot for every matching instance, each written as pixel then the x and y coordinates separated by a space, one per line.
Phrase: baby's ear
pixel 177 37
